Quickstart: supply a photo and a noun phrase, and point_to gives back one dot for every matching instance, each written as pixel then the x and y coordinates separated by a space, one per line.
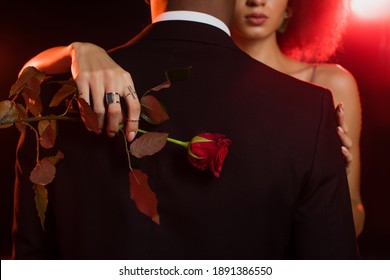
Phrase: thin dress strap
pixel 313 73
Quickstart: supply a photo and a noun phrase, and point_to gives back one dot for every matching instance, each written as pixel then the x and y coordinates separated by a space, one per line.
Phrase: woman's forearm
pixel 55 60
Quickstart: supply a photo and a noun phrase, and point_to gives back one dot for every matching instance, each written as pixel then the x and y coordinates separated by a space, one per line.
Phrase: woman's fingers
pixel 133 112
pixel 98 77
pixel 346 141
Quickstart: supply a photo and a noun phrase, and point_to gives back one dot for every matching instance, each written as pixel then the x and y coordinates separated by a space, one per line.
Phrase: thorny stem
pixel 14 98
pixel 127 149
pixel 36 137
pixel 35 119
pixel 69 105
pixel 128 152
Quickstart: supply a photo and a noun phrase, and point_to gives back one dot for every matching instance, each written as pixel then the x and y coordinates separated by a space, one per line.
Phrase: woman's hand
pixel 96 74
pixel 342 131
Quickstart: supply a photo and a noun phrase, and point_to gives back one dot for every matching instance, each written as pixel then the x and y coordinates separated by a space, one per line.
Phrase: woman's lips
pixel 256 19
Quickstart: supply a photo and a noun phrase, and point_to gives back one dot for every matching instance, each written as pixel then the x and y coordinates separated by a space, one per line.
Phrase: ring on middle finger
pixel 112 97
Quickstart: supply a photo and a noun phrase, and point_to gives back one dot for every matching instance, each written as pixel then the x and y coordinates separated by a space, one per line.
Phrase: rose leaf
pixel 27 74
pixel 65 91
pixel 148 144
pixel 41 202
pixel 43 173
pixel 144 198
pixel 152 110
pixel 87 115
pixel 8 113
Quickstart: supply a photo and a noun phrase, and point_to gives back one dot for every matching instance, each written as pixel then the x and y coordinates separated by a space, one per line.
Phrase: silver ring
pixel 129 120
pixel 132 92
pixel 112 97
pixel 124 97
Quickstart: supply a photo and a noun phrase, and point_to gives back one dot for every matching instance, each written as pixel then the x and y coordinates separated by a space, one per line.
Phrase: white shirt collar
pixel 193 16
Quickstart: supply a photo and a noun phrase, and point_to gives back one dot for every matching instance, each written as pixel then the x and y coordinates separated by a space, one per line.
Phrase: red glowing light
pixel 371 9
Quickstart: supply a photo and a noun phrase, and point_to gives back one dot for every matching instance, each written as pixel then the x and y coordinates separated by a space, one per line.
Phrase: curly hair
pixel 314 30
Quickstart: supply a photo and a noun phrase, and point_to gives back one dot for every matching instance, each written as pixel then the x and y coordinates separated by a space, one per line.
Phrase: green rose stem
pixel 126 146
pixel 36 137
pixel 178 142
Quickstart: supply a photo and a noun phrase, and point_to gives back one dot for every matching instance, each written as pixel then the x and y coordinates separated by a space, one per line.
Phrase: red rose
pixel 207 151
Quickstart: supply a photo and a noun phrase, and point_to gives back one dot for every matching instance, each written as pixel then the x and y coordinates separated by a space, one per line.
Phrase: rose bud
pixel 207 151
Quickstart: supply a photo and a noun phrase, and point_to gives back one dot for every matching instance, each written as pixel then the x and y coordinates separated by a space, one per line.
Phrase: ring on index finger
pixel 112 97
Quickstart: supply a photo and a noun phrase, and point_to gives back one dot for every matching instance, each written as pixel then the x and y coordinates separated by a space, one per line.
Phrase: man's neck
pixel 221 9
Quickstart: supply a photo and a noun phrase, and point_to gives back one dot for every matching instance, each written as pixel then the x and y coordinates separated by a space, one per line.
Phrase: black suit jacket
pixel 282 193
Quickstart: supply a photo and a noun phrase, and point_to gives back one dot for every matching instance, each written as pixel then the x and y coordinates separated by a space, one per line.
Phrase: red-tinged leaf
pixel 34 87
pixel 20 126
pixel 40 76
pixel 34 105
pixel 71 106
pixel 31 95
pixel 27 74
pixel 22 115
pixel 144 198
pixel 41 202
pixel 172 76
pixel 148 144
pixel 22 112
pixel 55 159
pixel 8 113
pixel 65 91
pixel 43 173
pixel 42 126
pixel 165 84
pixel 48 138
pixel 47 132
pixel 176 75
pixel 88 116
pixel 152 111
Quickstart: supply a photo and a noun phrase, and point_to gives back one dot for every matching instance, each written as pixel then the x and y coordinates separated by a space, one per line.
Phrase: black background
pixel 28 28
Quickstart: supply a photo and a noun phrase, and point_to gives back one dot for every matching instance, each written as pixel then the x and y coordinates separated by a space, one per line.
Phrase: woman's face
pixel 257 19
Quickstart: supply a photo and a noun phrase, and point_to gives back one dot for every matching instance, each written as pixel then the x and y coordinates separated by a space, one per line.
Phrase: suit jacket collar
pixel 193 16
pixel 185 31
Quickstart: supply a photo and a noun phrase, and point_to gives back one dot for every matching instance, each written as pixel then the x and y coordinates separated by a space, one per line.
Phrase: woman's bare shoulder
pixel 333 75
pixel 336 78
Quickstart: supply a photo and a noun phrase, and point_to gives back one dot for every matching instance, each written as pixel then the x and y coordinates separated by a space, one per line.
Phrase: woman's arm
pixel 56 60
pixel 95 74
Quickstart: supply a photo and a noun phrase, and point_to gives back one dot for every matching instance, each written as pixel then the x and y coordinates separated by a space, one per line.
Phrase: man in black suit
pixel 282 192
